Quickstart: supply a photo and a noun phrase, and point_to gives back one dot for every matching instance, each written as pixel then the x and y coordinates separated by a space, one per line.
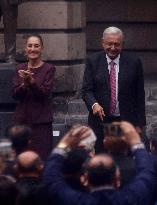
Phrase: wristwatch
pixel 137 146
pixel 61 149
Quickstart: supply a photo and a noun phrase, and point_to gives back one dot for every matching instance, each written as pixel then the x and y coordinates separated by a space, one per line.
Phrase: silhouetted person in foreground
pixel 8 191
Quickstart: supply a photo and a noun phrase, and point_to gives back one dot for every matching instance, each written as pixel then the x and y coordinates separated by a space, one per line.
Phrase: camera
pixel 112 129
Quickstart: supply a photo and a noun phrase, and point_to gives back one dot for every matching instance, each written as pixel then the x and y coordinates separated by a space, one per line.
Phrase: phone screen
pixel 113 130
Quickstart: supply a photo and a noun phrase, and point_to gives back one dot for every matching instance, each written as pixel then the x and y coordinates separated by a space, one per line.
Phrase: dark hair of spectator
pixel 100 174
pixel 20 135
pixel 73 168
pixel 8 191
pixel 37 36
pixel 74 161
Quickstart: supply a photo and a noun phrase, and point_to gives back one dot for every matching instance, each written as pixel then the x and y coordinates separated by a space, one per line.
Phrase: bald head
pixel 101 170
pixel 104 159
pixel 27 158
pixel 28 162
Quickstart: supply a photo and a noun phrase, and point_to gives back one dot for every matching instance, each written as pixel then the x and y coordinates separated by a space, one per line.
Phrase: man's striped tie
pixel 113 87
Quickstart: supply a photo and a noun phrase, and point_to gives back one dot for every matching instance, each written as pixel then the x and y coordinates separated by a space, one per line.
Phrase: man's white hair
pixel 113 30
pixel 89 142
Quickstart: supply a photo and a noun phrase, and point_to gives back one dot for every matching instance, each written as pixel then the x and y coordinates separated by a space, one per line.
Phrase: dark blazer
pixel 34 103
pixel 131 95
pixel 139 191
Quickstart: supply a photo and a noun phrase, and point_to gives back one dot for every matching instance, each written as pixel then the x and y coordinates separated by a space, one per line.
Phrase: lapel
pixel 104 68
pixel 122 70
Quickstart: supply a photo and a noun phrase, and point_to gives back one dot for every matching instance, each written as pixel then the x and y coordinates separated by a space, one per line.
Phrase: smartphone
pixel 113 129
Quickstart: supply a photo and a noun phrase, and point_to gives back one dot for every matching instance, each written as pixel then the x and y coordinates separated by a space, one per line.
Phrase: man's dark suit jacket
pixel 131 95
pixel 139 191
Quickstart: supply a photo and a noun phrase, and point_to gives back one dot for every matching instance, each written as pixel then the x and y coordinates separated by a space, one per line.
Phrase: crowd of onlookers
pixel 74 174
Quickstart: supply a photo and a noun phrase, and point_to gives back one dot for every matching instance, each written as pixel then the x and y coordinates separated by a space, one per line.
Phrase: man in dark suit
pixel 9 10
pixel 113 86
pixel 102 177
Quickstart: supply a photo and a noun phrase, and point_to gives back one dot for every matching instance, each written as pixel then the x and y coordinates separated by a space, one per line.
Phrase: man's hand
pixel 130 134
pixel 98 110
pixel 74 136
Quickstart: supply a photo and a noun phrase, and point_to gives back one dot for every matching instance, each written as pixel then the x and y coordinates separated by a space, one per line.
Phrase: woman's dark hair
pixel 37 36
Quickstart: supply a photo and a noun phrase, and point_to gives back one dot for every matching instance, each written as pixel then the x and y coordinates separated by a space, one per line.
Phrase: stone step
pixel 77 119
pixel 70 119
pixel 70 106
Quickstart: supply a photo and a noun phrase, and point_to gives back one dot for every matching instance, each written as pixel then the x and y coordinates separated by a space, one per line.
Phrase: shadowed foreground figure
pixel 101 173
pixel 8 191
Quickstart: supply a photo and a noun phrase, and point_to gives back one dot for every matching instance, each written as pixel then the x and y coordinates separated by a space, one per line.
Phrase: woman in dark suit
pixel 33 84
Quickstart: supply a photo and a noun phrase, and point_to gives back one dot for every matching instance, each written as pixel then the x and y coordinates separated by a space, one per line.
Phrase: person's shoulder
pixel 48 66
pixel 130 56
pixel 22 66
pixel 96 55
